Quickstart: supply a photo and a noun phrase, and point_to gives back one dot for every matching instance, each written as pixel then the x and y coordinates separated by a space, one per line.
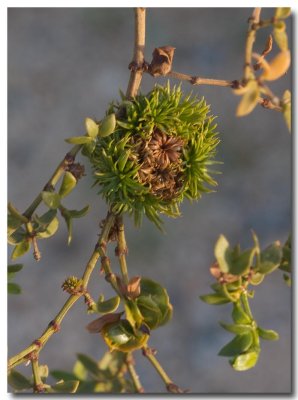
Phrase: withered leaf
pixel 161 63
pixel 134 287
pixel 97 325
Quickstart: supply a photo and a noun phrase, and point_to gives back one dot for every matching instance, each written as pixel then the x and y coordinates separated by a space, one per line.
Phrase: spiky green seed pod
pixel 159 153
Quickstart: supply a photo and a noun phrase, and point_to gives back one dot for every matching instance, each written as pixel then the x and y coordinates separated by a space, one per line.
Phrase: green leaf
pixel 91 127
pixel 222 253
pixel 65 387
pixel 108 306
pixel 89 363
pixel 270 258
pixel 238 329
pixel 79 140
pixel 159 296
pixel 51 199
pixel 245 361
pixel 88 148
pixel 249 99
pixel 67 185
pixel 46 218
pixel 79 371
pixel 107 125
pixel 50 230
pixel 124 125
pixel 282 12
pixel 268 334
pixel 287 108
pixel 214 299
pixel 63 375
pixel 12 269
pixel 238 345
pixel 13 223
pixel 18 381
pixel 20 249
pixel 17 237
pixel 79 213
pixel 239 315
pixel 135 317
pixel 257 278
pixel 241 263
pixel 13 288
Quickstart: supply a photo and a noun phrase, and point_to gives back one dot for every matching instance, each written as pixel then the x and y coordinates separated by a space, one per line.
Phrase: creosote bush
pixel 148 154
pixel 159 154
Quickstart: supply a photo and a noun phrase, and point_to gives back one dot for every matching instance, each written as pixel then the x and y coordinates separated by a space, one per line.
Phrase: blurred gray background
pixel 66 64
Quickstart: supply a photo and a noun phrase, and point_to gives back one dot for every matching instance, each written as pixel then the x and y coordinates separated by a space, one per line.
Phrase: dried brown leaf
pixel 161 63
pixel 97 325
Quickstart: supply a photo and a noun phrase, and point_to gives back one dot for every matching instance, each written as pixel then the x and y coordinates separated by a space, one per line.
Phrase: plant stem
pixel 69 158
pixel 250 39
pixel 149 355
pixel 53 327
pixel 196 80
pixel 38 383
pixel 246 306
pixel 133 374
pixel 138 56
pixel 122 249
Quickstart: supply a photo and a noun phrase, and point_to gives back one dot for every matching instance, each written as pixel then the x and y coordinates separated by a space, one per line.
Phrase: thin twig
pixel 138 56
pixel 38 383
pixel 68 159
pixel 121 249
pixel 170 386
pixel 133 374
pixel 196 80
pixel 250 39
pixel 54 326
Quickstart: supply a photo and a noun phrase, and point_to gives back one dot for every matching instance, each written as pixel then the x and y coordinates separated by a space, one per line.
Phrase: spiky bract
pixel 159 153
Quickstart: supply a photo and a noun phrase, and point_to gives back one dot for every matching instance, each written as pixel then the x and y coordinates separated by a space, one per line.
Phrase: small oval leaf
pixel 239 315
pixel 91 127
pixel 63 375
pixel 13 288
pixel 238 345
pixel 282 12
pixel 17 237
pixel 51 199
pixel 238 329
pixel 215 299
pixel 270 258
pixel 89 363
pixel 79 213
pixel 249 99
pixel 107 125
pixel 245 361
pixel 277 67
pixel 222 252
pixel 50 230
pixel 67 185
pixel 20 249
pixel 79 140
pixel 268 334
pixel 108 306
pixel 18 381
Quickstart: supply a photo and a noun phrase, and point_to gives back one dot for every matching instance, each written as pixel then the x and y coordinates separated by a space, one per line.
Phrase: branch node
pixel 55 326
